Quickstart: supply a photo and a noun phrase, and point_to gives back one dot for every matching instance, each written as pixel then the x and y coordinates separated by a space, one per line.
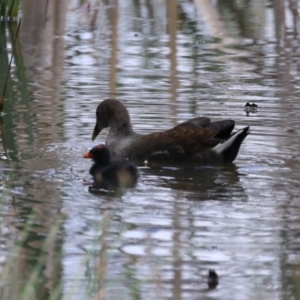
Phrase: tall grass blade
pixel 13 8
pixel 2 101
pixel 2 8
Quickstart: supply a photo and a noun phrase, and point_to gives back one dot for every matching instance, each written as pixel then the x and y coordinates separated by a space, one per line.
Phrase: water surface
pixel 167 63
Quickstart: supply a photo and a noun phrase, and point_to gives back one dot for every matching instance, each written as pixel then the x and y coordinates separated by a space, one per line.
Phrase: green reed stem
pixel 9 8
pixel 13 8
pixel 8 70
pixel 2 8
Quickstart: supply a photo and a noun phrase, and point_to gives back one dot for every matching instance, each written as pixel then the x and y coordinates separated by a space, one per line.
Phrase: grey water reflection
pixel 167 61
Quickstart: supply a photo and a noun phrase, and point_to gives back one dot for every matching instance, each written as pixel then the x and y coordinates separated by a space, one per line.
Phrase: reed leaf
pixel 9 9
pixel 13 8
pixel 2 100
pixel 2 8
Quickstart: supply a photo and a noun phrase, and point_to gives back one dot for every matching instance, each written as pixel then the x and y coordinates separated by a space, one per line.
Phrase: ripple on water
pixel 179 221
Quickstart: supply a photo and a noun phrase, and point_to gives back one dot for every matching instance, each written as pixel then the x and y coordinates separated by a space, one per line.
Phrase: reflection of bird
pixel 212 279
pixel 109 175
pixel 198 139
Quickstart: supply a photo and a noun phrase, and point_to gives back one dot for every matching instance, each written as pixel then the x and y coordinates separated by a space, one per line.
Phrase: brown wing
pixel 199 121
pixel 224 128
pixel 190 137
pixel 187 136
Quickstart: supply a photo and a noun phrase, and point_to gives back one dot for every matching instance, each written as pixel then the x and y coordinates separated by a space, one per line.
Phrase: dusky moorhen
pixel 197 140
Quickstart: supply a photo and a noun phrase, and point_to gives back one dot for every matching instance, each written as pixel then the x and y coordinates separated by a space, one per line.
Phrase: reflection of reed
pixel 32 269
pixel 283 48
pixel 43 44
pixel 36 267
pixel 172 16
pixel 212 17
pixel 114 47
pixel 101 268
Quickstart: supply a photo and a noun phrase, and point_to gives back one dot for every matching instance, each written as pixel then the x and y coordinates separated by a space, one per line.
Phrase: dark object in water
pixel 110 175
pixel 253 107
pixel 247 108
pixel 212 279
pixel 197 140
pixel 250 108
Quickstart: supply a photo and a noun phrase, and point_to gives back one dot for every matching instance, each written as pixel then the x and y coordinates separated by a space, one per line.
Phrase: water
pixel 161 238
